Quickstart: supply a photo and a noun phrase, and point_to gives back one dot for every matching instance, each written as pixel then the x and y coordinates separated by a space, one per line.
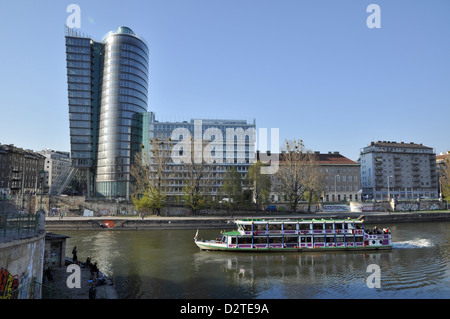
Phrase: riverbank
pixel 60 289
pixel 224 222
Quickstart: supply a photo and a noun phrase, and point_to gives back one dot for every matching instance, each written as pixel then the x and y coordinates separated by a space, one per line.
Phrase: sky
pixel 312 68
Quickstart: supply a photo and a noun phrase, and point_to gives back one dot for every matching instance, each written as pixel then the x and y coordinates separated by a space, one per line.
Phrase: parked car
pixel 226 200
pixel 271 208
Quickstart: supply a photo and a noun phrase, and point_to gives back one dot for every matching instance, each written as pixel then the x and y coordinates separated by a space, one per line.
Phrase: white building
pixel 398 170
pixel 55 163
pixel 220 142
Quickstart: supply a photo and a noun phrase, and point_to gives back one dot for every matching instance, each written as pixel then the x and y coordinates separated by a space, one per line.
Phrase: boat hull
pixel 214 246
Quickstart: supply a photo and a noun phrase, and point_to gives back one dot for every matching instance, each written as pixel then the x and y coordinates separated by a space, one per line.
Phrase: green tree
pixel 231 189
pixel 444 178
pixel 259 184
pixel 151 173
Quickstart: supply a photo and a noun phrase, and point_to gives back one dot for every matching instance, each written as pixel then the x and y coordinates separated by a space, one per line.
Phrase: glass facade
pixel 107 90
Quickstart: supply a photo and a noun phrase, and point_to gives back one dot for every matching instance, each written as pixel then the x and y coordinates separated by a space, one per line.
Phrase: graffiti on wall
pixel 8 284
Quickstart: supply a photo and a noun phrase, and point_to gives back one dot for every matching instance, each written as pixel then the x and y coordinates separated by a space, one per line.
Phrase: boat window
pixel 318 226
pixel 330 239
pixel 275 240
pixel 260 240
pixel 274 226
pixel 289 227
pixel 303 227
pixel 345 225
pixel 247 227
pixel 349 239
pixel 245 240
pixel 305 239
pixel 359 239
pixel 329 226
pixel 233 240
pixel 291 239
pixel 261 226
pixel 339 239
pixel 319 239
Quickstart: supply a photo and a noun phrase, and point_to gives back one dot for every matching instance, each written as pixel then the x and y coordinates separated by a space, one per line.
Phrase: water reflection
pixel 167 264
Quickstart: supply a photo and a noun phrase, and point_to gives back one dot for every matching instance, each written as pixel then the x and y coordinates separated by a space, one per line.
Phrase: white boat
pixel 298 235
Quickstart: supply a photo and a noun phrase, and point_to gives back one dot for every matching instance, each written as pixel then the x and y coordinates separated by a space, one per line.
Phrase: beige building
pixel 341 177
pixel 398 170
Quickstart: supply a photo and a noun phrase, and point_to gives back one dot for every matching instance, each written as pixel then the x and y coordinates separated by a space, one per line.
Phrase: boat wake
pixel 416 243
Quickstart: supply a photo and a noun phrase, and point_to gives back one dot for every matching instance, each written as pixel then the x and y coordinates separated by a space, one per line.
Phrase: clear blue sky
pixel 311 68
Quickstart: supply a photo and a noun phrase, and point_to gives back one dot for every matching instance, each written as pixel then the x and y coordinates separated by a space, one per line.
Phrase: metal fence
pixel 20 225
pixel 35 290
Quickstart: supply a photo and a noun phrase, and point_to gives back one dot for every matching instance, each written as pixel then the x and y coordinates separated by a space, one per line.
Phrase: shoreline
pixel 221 222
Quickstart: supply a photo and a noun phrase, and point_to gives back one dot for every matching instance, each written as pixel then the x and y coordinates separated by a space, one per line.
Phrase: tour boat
pixel 298 235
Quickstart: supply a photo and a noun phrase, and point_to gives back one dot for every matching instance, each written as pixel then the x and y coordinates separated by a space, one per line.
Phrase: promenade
pixel 225 221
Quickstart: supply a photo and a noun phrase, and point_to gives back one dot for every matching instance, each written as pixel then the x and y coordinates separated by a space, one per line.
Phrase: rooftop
pixel 398 144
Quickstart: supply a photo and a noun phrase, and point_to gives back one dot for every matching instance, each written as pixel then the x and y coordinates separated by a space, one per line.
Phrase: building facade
pixel 337 175
pixel 19 170
pixel 340 177
pixel 391 170
pixel 55 164
pixel 107 89
pixel 219 144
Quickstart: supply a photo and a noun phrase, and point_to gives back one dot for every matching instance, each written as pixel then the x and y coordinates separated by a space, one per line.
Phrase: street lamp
pixel 335 193
pixel 41 177
pixel 389 195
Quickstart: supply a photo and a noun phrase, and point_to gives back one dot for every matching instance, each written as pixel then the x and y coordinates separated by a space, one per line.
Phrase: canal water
pixel 148 264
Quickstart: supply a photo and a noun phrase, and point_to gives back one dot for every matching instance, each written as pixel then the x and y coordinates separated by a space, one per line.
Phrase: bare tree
pixel 295 173
pixel 151 173
pixel 197 177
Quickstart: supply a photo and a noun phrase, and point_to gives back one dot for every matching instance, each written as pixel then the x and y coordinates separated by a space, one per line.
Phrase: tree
pixel 259 184
pixel 231 188
pixel 294 173
pixel 313 182
pixel 444 178
pixel 197 178
pixel 151 173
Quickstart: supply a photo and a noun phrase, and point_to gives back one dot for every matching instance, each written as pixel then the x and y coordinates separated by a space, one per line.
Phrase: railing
pixel 20 225
pixel 35 290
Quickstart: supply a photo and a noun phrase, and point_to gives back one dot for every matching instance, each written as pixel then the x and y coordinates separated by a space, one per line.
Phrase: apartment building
pixel 19 170
pixel 398 170
pixel 340 177
pixel 55 163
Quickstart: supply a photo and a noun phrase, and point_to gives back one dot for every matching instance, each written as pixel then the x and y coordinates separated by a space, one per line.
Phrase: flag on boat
pixel 196 235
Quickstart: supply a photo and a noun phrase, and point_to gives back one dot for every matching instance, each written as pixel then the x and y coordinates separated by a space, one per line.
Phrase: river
pixel 147 264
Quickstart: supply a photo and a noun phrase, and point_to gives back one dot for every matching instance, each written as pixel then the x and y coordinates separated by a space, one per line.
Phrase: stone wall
pixel 21 264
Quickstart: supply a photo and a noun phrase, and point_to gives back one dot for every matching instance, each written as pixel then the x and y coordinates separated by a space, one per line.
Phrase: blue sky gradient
pixel 311 68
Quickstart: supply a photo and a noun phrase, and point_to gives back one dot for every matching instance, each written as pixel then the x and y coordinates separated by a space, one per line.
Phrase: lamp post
pixel 41 178
pixel 389 195
pixel 335 193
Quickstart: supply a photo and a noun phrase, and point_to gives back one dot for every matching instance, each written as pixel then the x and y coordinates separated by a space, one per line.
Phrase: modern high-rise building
pixel 107 89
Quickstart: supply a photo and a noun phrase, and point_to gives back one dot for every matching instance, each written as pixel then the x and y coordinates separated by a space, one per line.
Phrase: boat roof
pixel 248 221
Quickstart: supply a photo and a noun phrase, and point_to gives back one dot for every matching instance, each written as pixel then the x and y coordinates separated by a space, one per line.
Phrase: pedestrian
pixel 74 254
pixel 92 290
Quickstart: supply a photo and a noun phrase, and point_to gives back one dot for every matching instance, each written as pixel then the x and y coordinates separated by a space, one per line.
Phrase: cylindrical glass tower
pixel 124 95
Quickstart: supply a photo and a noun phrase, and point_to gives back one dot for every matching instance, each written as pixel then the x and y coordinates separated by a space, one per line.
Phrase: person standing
pixel 74 255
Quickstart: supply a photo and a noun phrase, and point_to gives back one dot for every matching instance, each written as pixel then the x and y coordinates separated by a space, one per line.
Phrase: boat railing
pixel 302 232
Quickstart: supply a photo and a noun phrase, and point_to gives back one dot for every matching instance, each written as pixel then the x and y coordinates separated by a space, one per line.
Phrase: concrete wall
pixel 21 264
pixel 77 204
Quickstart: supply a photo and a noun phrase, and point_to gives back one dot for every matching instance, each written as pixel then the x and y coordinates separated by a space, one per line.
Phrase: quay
pixel 221 222
pixel 59 285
